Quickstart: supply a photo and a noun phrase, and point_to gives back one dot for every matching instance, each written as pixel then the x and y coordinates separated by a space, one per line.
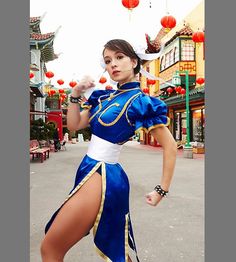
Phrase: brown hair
pixel 124 47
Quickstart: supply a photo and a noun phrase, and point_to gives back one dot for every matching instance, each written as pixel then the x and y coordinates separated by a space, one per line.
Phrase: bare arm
pixel 165 138
pixel 75 119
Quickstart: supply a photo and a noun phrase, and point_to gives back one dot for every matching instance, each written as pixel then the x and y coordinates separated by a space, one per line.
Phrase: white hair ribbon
pixel 140 52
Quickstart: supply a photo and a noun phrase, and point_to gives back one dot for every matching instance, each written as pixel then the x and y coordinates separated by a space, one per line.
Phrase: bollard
pixel 188 152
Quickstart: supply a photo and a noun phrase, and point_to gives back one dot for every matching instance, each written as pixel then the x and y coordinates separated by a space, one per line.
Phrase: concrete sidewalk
pixel 171 232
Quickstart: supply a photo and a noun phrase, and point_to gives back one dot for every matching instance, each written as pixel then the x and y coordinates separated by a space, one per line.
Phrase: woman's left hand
pixel 153 198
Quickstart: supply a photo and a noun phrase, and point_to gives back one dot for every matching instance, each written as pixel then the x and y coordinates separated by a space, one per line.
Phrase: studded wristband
pixel 75 100
pixel 160 191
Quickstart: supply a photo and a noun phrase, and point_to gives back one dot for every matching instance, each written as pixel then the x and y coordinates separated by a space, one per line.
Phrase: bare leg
pixel 129 260
pixel 73 221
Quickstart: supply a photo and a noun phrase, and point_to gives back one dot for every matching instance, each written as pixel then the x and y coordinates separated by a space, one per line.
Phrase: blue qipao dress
pixel 115 116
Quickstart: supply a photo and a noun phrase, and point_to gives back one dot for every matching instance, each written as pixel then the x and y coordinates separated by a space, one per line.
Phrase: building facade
pixel 180 54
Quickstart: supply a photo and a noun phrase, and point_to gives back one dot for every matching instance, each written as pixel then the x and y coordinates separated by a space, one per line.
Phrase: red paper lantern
pixel 63 96
pixel 72 84
pixel 168 22
pixel 198 37
pixel 182 91
pixel 49 74
pixel 102 80
pixel 31 75
pixel 149 81
pixel 200 80
pixel 108 87
pixel 178 89
pixel 130 4
pixel 146 90
pixel 61 91
pixel 60 82
pixel 169 90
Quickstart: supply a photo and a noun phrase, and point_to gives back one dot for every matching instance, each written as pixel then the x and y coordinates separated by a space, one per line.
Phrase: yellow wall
pixel 195 19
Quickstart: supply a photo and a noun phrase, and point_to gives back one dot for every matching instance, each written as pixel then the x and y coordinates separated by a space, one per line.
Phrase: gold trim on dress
pixel 146 130
pixel 120 114
pixel 110 97
pixel 126 237
pixel 85 106
pixel 95 227
pixel 83 181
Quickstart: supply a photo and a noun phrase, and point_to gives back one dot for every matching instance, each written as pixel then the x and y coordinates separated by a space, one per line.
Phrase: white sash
pixel 102 150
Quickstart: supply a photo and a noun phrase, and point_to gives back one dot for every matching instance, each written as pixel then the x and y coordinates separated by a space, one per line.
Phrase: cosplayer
pixel 99 198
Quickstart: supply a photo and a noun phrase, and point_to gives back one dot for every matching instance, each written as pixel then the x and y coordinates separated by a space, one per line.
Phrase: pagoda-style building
pixel 41 52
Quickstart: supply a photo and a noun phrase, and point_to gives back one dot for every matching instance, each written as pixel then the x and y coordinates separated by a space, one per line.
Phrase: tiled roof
pixel 185 31
pixel 34 19
pixel 37 36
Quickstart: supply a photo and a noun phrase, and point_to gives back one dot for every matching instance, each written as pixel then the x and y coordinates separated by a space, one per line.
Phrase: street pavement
pixel 173 231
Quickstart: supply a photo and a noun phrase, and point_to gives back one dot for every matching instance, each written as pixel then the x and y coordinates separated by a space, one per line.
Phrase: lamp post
pixel 176 80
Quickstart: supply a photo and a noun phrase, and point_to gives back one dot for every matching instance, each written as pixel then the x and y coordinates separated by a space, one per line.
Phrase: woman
pixel 100 196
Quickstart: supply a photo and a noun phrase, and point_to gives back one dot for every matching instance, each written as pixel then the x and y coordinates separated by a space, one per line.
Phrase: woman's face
pixel 119 66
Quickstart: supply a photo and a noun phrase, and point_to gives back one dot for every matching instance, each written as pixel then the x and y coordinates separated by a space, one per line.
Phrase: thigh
pixel 77 216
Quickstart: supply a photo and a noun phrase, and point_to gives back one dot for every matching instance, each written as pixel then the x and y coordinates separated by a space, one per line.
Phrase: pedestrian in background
pixel 99 198
pixel 56 140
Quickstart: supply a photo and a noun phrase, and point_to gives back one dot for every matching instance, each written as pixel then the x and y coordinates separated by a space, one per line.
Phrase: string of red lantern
pixel 109 87
pixel 49 74
pixel 151 81
pixel 72 84
pixel 31 75
pixel 168 22
pixel 102 80
pixel 130 4
pixel 198 37
pixel 200 80
pixel 169 90
pixel 60 82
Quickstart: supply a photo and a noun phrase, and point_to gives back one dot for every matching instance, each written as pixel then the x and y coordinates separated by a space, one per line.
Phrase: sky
pixel 85 26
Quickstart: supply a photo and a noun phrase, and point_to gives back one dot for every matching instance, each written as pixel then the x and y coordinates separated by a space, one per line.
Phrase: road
pixel 173 231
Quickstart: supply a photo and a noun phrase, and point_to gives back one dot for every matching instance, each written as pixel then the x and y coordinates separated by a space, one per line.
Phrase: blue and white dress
pixel 115 116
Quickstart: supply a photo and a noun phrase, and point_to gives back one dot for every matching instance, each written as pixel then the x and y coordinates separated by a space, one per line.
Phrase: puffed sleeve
pixel 147 113
pixel 93 99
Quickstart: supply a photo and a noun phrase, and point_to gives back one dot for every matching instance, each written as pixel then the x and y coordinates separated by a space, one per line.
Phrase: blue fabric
pixel 114 116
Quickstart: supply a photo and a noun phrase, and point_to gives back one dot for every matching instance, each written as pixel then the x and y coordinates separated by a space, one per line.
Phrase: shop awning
pixel 194 94
pixel 36 90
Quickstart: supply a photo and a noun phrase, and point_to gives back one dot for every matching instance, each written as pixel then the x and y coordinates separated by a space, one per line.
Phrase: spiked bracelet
pixel 160 191
pixel 75 100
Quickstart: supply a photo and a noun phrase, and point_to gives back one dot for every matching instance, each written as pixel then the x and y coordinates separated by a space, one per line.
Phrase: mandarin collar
pixel 129 85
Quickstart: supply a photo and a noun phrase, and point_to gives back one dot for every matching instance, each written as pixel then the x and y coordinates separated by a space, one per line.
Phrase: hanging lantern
pixel 52 92
pixel 168 22
pixel 198 37
pixel 130 4
pixel 169 90
pixel 102 80
pixel 149 81
pixel 73 83
pixel 146 90
pixel 31 75
pixel 61 91
pixel 109 87
pixel 182 91
pixel 200 80
pixel 49 74
pixel 60 82
pixel 178 89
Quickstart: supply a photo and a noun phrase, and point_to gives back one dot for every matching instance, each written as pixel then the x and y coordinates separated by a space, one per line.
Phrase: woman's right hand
pixel 84 84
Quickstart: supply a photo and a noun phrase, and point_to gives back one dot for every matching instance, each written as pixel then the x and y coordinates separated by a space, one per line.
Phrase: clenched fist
pixel 84 84
pixel 153 198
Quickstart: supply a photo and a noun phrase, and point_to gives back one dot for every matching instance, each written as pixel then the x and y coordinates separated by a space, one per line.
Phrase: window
pixel 176 54
pixel 187 51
